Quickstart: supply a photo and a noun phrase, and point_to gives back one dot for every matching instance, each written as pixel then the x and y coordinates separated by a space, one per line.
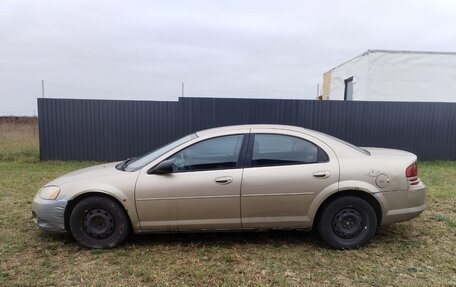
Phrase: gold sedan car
pixel 248 177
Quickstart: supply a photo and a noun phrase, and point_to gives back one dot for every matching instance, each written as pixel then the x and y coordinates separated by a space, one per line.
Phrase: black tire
pixel 99 222
pixel 347 222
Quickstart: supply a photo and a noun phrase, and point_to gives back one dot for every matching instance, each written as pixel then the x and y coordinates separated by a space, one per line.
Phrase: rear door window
pixel 273 150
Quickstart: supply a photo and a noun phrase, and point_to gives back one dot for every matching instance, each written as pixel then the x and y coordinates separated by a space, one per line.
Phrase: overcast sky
pixel 146 49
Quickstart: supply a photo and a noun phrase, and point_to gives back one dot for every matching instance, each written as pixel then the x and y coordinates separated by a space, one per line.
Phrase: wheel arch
pixel 368 197
pixel 74 201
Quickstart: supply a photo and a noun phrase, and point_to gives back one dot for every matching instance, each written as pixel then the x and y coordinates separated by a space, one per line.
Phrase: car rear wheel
pixel 99 222
pixel 347 222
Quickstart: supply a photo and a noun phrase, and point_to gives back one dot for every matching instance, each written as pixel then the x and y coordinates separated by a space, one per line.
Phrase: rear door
pixel 283 174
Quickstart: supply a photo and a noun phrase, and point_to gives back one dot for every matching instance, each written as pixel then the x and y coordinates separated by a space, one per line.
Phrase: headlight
pixel 49 192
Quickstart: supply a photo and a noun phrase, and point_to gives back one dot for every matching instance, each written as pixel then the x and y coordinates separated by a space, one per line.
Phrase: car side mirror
pixel 164 167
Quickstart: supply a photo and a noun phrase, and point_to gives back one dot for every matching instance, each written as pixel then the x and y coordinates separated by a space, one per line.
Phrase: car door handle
pixel 322 174
pixel 223 180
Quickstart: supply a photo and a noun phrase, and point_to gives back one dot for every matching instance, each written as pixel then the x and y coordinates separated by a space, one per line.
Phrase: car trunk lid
pixel 387 152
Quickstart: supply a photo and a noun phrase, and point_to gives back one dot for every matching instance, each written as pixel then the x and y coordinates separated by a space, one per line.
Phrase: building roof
pixel 394 52
pixel 409 52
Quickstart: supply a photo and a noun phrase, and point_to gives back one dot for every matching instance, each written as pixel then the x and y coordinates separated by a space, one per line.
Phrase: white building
pixel 381 75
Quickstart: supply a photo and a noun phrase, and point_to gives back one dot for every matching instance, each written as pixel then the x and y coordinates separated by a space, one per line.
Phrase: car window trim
pixel 243 151
pixel 249 155
pixel 249 151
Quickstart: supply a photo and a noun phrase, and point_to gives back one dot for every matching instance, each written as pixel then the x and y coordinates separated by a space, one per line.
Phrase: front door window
pixel 212 154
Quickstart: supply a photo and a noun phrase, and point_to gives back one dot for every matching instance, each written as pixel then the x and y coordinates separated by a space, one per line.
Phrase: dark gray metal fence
pixel 111 130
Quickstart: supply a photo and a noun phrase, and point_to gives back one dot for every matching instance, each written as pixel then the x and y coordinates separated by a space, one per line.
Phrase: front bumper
pixel 405 204
pixel 49 214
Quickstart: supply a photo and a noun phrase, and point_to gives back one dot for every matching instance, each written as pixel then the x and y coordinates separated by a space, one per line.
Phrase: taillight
pixel 412 170
pixel 412 173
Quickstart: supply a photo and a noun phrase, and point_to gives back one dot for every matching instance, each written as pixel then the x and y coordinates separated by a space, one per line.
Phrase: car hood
pixel 92 172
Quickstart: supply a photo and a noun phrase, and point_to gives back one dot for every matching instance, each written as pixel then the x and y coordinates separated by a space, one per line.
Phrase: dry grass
pixel 421 252
pixel 19 138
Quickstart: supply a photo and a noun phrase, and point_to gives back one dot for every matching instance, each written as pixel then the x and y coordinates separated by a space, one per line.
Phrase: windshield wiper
pixel 123 165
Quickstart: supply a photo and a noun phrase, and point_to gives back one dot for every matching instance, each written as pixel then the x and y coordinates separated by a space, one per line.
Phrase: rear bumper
pixel 403 205
pixel 49 214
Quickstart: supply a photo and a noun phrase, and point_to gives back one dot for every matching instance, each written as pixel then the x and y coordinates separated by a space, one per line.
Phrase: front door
pixel 202 192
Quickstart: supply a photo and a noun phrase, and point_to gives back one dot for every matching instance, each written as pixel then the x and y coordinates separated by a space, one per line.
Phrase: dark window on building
pixel 348 92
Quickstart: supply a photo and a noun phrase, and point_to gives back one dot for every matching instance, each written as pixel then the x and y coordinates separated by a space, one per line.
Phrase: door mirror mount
pixel 164 167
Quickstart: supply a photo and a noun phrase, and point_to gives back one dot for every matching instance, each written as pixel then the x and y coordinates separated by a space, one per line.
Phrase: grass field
pixel 19 138
pixel 421 252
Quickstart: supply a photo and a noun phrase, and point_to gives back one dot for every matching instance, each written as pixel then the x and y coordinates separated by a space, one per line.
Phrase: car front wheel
pixel 347 222
pixel 99 222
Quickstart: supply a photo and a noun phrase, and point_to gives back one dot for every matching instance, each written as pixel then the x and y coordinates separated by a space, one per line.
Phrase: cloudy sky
pixel 146 49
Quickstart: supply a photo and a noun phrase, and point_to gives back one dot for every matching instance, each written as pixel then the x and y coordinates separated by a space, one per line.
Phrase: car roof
pixel 221 130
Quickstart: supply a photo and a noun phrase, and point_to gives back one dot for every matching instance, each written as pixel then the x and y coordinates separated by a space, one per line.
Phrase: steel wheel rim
pixel 348 223
pixel 99 223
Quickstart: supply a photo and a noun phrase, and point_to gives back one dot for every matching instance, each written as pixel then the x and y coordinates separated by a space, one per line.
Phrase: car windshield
pixel 144 160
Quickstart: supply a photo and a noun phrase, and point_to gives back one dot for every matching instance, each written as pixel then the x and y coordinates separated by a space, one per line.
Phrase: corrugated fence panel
pixel 112 130
pixel 104 129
